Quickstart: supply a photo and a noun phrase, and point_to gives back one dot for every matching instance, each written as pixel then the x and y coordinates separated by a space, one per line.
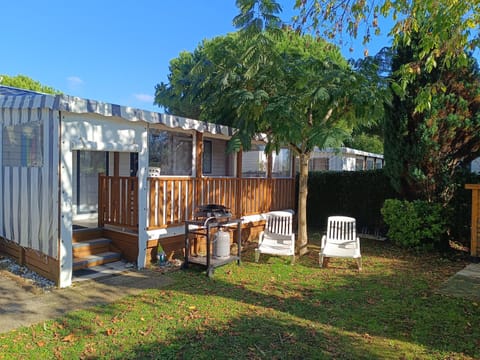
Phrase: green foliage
pixel 447 28
pixel 366 142
pixel 24 82
pixel 359 194
pixel 295 88
pixel 424 149
pixel 419 224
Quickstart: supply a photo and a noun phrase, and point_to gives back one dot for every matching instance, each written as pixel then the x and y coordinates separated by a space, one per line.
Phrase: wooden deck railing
pixel 118 201
pixel 173 200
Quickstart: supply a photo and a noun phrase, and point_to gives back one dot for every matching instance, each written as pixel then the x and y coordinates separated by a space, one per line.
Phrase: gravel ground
pixel 28 276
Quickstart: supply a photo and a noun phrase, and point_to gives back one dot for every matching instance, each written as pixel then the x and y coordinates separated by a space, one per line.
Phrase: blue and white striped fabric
pixel 11 98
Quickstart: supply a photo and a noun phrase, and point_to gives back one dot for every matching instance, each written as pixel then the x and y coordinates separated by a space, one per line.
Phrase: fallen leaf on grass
pixel 69 338
pixel 146 332
pixel 41 344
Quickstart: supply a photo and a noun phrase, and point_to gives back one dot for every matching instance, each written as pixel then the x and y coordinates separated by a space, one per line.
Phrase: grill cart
pixel 207 218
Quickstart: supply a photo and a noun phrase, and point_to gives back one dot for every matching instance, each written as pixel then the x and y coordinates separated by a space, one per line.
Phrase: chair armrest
pixel 260 237
pixel 324 240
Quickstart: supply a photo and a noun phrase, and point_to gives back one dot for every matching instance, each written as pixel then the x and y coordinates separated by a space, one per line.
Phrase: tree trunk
pixel 302 240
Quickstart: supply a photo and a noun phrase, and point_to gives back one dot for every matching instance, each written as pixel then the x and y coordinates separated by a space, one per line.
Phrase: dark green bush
pixel 417 224
pixel 359 194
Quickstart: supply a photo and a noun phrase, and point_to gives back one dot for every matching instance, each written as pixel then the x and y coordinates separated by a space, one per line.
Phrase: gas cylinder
pixel 221 244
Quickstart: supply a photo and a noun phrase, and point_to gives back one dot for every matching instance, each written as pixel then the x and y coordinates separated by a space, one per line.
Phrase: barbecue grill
pixel 219 212
pixel 207 218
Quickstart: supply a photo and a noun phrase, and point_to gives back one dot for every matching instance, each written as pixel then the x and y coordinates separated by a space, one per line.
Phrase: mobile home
pixel 66 162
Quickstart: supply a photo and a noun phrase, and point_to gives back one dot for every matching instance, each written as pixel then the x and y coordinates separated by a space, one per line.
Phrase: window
pixel 254 162
pixel 319 164
pixel 378 163
pixel 171 152
pixel 370 164
pixel 23 145
pixel 282 163
pixel 359 164
pixel 207 157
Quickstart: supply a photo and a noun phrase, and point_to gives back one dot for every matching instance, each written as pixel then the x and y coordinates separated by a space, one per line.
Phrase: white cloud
pixel 144 98
pixel 74 82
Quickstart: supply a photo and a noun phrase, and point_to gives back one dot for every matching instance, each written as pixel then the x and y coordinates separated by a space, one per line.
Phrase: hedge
pixel 359 194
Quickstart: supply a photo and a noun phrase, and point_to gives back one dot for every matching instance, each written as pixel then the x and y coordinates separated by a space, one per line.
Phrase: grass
pixel 273 310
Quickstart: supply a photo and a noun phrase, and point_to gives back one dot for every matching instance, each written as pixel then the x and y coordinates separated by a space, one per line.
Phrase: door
pixel 86 167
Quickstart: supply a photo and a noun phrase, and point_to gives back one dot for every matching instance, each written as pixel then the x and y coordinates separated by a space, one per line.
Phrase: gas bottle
pixel 221 244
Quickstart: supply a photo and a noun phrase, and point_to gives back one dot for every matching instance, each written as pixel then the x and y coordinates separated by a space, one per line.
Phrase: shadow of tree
pixel 273 310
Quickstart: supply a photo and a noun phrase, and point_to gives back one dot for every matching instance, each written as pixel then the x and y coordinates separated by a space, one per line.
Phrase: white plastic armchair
pixel 340 240
pixel 278 237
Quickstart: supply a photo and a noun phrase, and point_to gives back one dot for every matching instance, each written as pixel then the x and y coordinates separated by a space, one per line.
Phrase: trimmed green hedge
pixel 416 224
pixel 359 194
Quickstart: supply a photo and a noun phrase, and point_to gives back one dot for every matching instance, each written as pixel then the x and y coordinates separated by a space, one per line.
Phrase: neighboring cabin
pixel 344 159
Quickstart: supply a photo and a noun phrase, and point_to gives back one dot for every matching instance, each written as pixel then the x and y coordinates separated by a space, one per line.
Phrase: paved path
pixel 465 283
pixel 23 305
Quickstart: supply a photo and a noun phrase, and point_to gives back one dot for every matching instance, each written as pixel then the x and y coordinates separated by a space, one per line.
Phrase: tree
pixel 425 149
pixel 297 90
pixel 24 82
pixel 448 28
pixel 176 95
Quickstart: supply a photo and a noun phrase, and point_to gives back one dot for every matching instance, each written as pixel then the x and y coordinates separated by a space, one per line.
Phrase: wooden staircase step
pixel 91 247
pixel 86 234
pixel 96 259
pixel 92 242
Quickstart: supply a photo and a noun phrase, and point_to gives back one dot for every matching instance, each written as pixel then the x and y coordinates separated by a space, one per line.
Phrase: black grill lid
pixel 213 210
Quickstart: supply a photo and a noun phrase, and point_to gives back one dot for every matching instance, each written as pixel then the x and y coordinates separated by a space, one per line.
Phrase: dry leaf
pixel 41 344
pixel 69 338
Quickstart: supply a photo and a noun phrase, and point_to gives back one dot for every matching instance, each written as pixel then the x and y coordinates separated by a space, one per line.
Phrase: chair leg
pixel 257 255
pixel 359 264
pixel 320 260
pixel 292 260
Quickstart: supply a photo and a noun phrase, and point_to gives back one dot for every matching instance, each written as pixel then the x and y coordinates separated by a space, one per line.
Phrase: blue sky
pixel 110 50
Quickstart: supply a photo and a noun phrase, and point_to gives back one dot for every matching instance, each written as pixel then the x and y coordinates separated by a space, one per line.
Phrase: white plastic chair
pixel 277 238
pixel 340 240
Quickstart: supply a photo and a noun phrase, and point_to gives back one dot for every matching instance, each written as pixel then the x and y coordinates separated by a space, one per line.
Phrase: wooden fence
pixel 172 200
pixel 475 222
pixel 118 201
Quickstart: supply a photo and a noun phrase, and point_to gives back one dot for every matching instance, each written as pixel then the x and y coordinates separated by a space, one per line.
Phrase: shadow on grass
pixel 255 337
pixel 275 310
pixel 393 299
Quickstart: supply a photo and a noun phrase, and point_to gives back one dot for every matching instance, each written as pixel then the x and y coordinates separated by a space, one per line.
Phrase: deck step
pixel 93 242
pixel 91 247
pixel 96 259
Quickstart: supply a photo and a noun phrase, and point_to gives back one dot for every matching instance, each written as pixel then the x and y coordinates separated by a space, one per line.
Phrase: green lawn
pixel 273 310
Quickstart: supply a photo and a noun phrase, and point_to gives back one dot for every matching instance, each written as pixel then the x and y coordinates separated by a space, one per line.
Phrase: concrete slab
pixel 22 305
pixel 464 284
